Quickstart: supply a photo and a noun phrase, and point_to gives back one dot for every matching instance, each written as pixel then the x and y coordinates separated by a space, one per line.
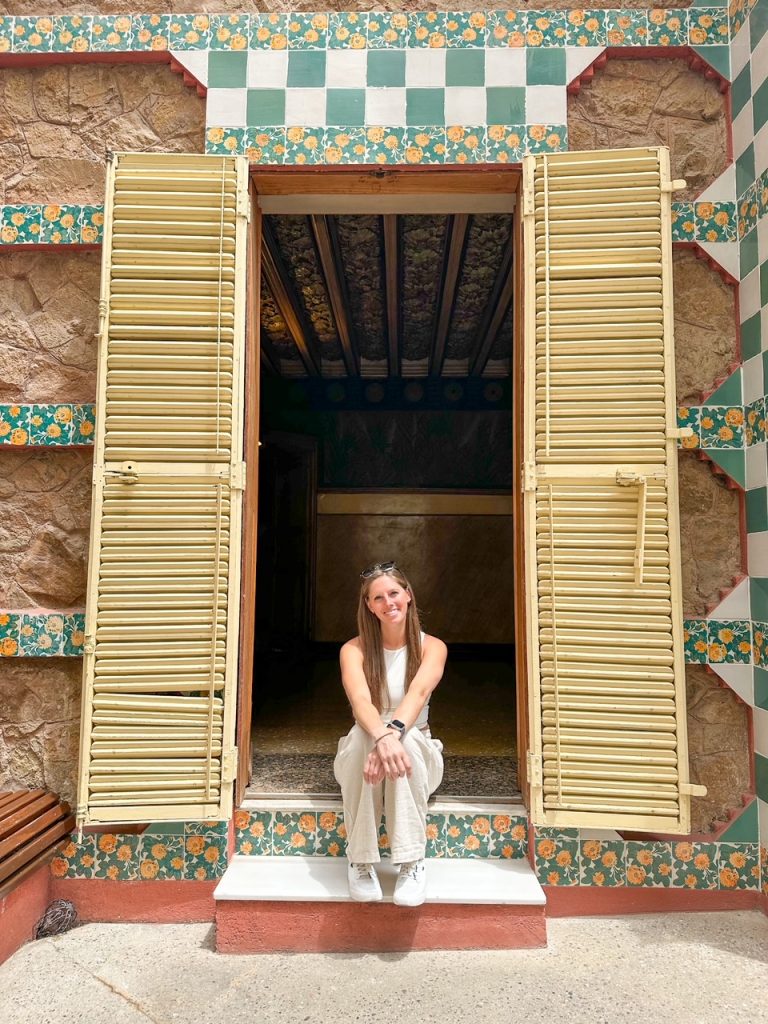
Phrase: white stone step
pixel 324 879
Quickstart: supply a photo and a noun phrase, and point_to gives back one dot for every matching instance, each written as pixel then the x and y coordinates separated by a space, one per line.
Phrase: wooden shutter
pixel 607 674
pixel 159 693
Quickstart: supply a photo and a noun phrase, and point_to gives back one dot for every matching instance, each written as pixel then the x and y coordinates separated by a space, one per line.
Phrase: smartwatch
pixel 400 726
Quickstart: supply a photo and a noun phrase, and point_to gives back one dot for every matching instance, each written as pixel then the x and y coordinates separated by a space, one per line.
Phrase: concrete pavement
pixel 681 968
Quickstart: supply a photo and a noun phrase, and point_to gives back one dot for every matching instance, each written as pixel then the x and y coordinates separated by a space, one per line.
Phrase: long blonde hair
pixel 369 629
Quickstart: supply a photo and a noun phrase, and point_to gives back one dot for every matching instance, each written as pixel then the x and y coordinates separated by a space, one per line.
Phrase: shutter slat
pixel 602 540
pixel 163 593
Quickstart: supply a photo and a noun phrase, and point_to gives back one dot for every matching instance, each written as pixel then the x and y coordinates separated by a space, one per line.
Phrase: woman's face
pixel 388 600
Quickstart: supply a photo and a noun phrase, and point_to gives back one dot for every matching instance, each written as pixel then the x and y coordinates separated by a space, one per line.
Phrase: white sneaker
pixel 363 883
pixel 411 885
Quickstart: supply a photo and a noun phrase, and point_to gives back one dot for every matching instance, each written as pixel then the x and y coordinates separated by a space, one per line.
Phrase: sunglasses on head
pixel 380 567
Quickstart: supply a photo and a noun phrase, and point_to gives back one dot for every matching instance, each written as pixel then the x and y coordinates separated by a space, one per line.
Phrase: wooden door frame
pixel 397 183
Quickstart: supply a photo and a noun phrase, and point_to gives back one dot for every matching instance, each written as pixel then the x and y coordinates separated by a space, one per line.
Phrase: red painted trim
pixel 156 901
pixel 592 901
pixel 763 903
pixel 21 909
pixel 695 61
pixel 271 927
pixel 49 246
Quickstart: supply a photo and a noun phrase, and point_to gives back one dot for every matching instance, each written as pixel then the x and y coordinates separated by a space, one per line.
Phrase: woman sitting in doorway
pixel 388 758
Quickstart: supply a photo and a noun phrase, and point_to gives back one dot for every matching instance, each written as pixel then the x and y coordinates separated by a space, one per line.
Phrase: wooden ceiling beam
pixel 455 239
pixel 327 245
pixel 495 311
pixel 392 272
pixel 284 294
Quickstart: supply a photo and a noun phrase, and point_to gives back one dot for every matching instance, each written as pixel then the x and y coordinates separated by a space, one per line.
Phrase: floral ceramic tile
pixel 229 31
pixel 92 225
pixel 83 424
pixel 585 28
pixel 748 207
pixel 387 31
pixel 764 870
pixel 294 833
pixel 694 865
pixel 602 863
pixel 708 25
pixel 205 856
pixel 253 833
pixel 344 145
pixel 465 29
pixel 75 859
pixel 111 33
pixel 695 635
pixel 729 642
pixel 545 28
pixel 269 31
pixel 689 416
pixel 117 857
pixel 722 426
pixel 760 643
pixel 545 138
pixel 60 225
pixel 189 32
pixel 304 145
pixel 307 31
pixel 761 188
pixel 506 28
pixel 150 31
pixel 556 859
pixel 160 856
pixel 6 34
pixel 467 835
pixel 41 635
pixel 649 864
pixel 465 145
pixel 436 835
pixel 508 837
pixel 738 865
pixel 715 222
pixel 426 29
pixel 385 849
pixel 348 31
pixel 505 144
pixel 331 834
pixel 32 35
pixel 225 141
pixel 264 145
pixel 737 11
pixel 14 424
pixel 667 27
pixel 425 145
pixel 755 430
pixel 74 635
pixel 683 223
pixel 206 828
pixel 71 33
pixel 385 145
pixel 50 424
pixel 20 225
pixel 626 28
pixel 9 634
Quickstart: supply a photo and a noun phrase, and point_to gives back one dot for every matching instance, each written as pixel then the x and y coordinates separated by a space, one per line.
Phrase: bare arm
pixel 430 672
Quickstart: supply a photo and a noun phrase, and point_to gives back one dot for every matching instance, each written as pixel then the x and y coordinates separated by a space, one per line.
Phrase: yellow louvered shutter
pixel 157 740
pixel 605 647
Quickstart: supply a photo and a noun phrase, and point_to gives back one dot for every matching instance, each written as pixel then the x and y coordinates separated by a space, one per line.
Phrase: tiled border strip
pixel 36 634
pixel 63 424
pixel 725 642
pixel 700 26
pixel 752 205
pixel 722 426
pixel 72 224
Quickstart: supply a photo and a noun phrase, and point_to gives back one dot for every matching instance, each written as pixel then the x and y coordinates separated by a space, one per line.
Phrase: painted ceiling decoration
pixel 389 296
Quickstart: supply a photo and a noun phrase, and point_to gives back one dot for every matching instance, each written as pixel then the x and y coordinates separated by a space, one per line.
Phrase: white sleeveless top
pixel 395 662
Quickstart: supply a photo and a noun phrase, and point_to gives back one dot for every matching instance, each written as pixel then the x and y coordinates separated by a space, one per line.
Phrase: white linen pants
pixel 404 800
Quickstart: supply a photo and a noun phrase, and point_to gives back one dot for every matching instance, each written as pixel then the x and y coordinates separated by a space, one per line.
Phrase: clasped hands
pixel 388 760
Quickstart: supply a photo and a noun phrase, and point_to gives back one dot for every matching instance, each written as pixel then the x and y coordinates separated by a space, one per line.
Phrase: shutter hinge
pixel 529 167
pixel 229 765
pixel 674 186
pixel 244 206
pixel 89 644
pixel 535 770
pixel 529 476
pixel 678 433
pixel 691 789
pixel 237 477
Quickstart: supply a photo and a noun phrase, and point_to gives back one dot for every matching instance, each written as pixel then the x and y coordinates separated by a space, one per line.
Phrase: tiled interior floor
pixel 473 712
